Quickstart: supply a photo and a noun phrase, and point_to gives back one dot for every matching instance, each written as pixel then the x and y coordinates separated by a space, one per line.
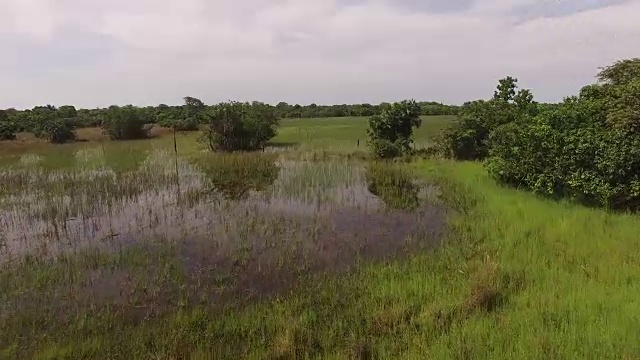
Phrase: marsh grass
pixel 103 240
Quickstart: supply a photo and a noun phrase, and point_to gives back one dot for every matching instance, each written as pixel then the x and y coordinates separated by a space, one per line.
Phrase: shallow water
pixel 47 213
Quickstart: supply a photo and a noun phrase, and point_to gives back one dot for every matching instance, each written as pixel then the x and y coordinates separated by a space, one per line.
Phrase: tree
pixel 587 148
pixel 621 72
pixel 58 131
pixel 7 128
pixel 468 137
pixel 236 126
pixel 67 112
pixel 124 123
pixel 193 103
pixel 390 133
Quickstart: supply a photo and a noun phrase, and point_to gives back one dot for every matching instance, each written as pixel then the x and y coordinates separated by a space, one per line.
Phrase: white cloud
pixel 308 51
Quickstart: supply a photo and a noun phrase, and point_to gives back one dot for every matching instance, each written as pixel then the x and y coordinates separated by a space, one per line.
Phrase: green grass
pixel 342 134
pixel 519 277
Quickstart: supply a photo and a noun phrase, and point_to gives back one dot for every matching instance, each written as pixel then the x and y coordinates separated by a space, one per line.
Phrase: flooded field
pixel 158 231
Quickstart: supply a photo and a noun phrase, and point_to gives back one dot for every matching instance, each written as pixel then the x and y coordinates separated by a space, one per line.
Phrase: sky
pixel 95 53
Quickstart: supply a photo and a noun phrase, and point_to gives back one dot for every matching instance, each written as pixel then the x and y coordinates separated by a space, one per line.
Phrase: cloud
pixel 96 53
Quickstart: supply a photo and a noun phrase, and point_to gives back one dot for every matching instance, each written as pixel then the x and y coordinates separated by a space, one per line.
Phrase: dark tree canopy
pixel 234 126
pixel 124 123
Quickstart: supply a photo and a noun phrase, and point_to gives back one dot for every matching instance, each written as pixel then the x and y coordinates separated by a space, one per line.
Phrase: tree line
pixel 55 123
pixel 586 148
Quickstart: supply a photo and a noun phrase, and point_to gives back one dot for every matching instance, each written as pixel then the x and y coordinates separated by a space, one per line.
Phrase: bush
pixel 57 131
pixel 390 133
pixel 187 124
pixel 7 128
pixel 587 148
pixel 385 149
pixel 467 138
pixel 7 131
pixel 237 126
pixel 124 123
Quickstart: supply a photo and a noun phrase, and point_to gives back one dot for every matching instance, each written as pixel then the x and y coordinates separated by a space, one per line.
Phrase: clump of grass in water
pixel 235 175
pixel 393 184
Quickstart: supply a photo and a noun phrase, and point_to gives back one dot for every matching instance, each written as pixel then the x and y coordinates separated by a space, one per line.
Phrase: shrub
pixel 57 131
pixel 236 126
pixel 7 128
pixel 385 149
pixel 467 138
pixel 124 123
pixel 587 148
pixel 7 131
pixel 186 124
pixel 390 133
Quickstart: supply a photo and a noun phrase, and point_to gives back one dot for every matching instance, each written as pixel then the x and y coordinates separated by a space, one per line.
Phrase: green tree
pixel 468 137
pixel 234 126
pixel 7 128
pixel 124 123
pixel 390 133
pixel 621 72
pixel 58 131
pixel 586 148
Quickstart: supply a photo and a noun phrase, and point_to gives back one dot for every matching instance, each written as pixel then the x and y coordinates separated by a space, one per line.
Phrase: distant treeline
pixel 32 119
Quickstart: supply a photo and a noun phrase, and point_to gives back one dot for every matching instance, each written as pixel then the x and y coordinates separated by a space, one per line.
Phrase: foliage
pixel 385 149
pixel 236 126
pixel 467 138
pixel 193 115
pixel 391 132
pixel 7 128
pixel 57 131
pixel 621 72
pixel 124 123
pixel 587 148
pixel 192 112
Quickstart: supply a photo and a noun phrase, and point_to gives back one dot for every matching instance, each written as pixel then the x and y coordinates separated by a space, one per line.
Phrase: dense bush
pixel 390 133
pixel 179 124
pixel 7 128
pixel 124 123
pixel 467 138
pixel 587 148
pixel 57 131
pixel 237 126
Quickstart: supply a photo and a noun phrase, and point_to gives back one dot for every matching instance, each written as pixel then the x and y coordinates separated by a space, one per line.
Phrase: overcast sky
pixel 96 53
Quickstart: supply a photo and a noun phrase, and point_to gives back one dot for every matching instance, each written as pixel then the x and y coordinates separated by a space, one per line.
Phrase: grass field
pixel 123 250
